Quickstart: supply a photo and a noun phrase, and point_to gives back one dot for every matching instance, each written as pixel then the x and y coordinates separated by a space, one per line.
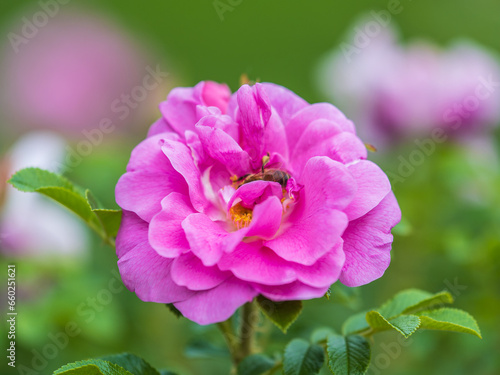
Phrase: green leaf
pixel 348 355
pixel 104 221
pixel 256 364
pixel 132 363
pixel 282 314
pixel 436 300
pixel 174 310
pixel 448 319
pixel 321 334
pixel 412 300
pixel 404 324
pixel 344 295
pixel 355 323
pixel 91 367
pixel 402 301
pixel 110 220
pixel 200 348
pixel 302 358
pixel 30 179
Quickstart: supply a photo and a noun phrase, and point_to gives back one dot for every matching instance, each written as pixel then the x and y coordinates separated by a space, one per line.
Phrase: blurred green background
pixel 445 238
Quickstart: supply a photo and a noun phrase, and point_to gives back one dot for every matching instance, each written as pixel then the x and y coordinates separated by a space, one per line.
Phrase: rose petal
pixel 290 292
pixel 149 179
pixel 316 222
pixel 223 148
pixel 187 270
pixel 346 147
pixel 253 115
pixel 253 262
pixel 314 141
pixel 373 186
pixel 182 161
pixel 299 122
pixel 216 95
pixel 179 110
pixel 367 243
pixel 143 271
pixel 217 304
pixel 266 218
pixel 166 235
pixel 255 192
pixel 159 126
pixel 285 102
pixel 208 240
pixel 256 263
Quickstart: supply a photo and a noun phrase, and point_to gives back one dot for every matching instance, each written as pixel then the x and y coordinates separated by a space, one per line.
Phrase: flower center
pixel 241 216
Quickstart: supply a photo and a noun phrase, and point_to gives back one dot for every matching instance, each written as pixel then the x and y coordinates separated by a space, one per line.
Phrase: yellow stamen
pixel 234 180
pixel 241 216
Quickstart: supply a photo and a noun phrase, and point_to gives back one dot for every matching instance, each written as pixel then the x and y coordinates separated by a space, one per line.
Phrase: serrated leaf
pixel 302 358
pixel 411 300
pixel 56 187
pixel 282 314
pixel 449 319
pixel 91 367
pixel 105 222
pixel 30 179
pixel 402 301
pixel 110 220
pixel 348 355
pixel 132 363
pixel 321 334
pixel 355 323
pixel 255 364
pixel 404 324
pixel 435 300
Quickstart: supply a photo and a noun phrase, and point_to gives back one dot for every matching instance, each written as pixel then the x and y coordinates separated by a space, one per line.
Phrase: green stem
pixel 242 346
pixel 369 332
pixel 249 320
pixel 275 368
pixel 232 341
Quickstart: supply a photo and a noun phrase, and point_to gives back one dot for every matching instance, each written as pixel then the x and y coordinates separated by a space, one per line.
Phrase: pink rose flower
pixel 69 74
pixel 401 91
pixel 256 193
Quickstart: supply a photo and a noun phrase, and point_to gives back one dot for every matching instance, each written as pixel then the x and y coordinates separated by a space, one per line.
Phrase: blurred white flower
pixel 31 224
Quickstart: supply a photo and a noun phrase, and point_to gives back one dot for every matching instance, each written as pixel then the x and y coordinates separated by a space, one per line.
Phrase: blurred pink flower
pixel 30 224
pixel 67 75
pixel 256 193
pixel 394 91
